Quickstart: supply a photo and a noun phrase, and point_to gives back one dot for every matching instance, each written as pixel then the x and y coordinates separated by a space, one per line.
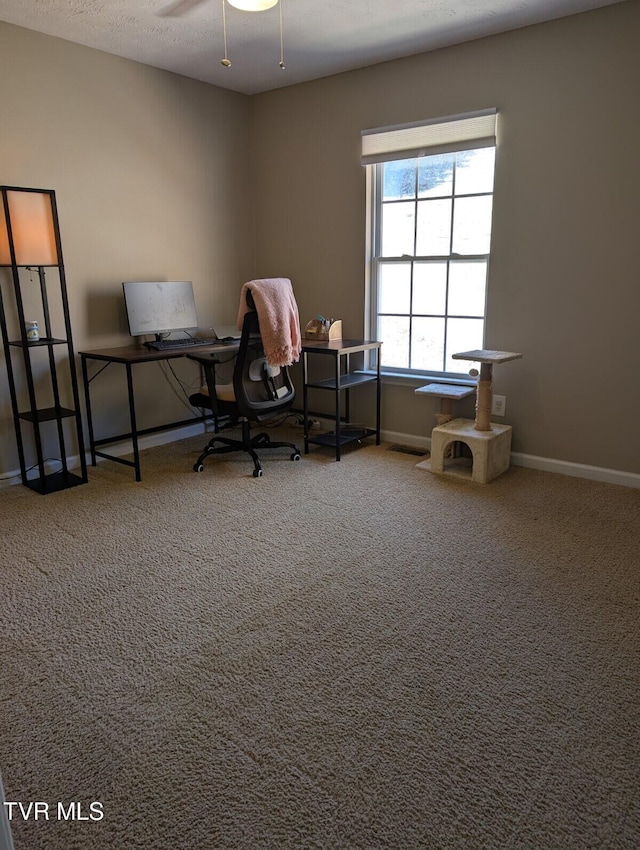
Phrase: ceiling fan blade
pixel 179 7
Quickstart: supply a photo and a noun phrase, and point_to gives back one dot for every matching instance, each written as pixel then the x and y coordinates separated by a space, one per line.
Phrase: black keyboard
pixel 170 344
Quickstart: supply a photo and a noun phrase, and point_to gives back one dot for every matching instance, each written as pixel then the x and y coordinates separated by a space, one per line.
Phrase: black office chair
pixel 259 392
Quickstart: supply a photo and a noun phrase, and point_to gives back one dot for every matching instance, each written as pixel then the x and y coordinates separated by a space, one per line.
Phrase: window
pixel 431 204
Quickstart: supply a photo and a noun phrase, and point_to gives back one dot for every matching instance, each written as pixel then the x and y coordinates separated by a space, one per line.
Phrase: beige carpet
pixel 339 655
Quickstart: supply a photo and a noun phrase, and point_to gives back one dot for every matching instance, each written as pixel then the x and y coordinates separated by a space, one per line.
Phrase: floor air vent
pixel 407 450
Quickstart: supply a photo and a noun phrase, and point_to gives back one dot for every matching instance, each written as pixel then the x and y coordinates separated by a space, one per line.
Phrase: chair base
pixel 223 445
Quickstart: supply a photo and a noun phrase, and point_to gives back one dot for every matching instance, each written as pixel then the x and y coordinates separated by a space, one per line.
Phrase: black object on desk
pixel 129 356
pixel 180 342
pixel 342 379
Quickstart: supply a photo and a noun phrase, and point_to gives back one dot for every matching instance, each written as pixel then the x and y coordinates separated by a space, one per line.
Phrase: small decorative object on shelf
pixel 43 387
pixel 323 329
pixel 33 332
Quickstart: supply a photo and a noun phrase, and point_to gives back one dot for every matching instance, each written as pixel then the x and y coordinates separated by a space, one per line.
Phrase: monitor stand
pixel 158 338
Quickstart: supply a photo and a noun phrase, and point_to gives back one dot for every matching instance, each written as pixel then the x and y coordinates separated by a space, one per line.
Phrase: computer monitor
pixel 159 307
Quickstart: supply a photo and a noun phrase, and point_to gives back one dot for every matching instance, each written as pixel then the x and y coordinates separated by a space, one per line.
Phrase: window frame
pixel 375 261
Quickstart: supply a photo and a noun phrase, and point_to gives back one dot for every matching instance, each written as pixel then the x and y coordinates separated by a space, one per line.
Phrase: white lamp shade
pixel 31 217
pixel 252 5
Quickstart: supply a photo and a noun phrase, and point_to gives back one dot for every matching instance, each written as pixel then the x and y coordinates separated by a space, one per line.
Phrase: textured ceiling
pixel 321 37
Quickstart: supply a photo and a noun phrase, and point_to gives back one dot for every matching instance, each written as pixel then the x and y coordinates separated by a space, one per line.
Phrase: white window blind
pixel 439 135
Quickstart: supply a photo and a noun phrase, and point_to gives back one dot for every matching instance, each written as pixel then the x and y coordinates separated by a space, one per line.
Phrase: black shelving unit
pixel 36 369
pixel 342 380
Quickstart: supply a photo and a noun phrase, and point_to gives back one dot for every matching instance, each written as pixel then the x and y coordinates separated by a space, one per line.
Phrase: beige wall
pixel 150 173
pixel 563 285
pixel 151 176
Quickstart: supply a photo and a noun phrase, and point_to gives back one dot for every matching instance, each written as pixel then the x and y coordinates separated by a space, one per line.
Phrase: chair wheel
pixel 198 467
pixel 257 473
pixel 295 456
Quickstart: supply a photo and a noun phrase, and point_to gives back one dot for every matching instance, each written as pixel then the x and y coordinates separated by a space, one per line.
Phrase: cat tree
pixel 489 442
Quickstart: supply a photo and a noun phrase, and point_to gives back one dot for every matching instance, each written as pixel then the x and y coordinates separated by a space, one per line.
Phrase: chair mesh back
pixel 259 393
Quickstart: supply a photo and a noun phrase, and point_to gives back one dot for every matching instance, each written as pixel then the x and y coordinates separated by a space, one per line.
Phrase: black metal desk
pixel 342 379
pixel 129 356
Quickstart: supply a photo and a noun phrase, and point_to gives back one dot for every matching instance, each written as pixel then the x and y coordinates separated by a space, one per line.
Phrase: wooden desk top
pixel 338 346
pixel 140 354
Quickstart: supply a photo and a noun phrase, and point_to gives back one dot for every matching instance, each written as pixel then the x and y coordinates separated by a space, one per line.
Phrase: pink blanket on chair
pixel 278 316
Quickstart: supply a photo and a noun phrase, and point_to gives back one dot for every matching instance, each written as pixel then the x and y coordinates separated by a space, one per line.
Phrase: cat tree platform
pixel 487 359
pixel 447 393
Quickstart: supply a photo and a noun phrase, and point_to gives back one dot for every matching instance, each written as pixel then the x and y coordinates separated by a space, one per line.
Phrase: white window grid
pixel 378 261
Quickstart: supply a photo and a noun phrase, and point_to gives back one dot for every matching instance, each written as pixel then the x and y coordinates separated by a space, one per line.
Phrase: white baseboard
pixel 547 464
pixel 160 438
pixel 411 441
pixel 577 470
pixel 118 449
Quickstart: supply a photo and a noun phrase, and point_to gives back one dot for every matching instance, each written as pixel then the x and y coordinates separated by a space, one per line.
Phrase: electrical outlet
pixel 499 405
